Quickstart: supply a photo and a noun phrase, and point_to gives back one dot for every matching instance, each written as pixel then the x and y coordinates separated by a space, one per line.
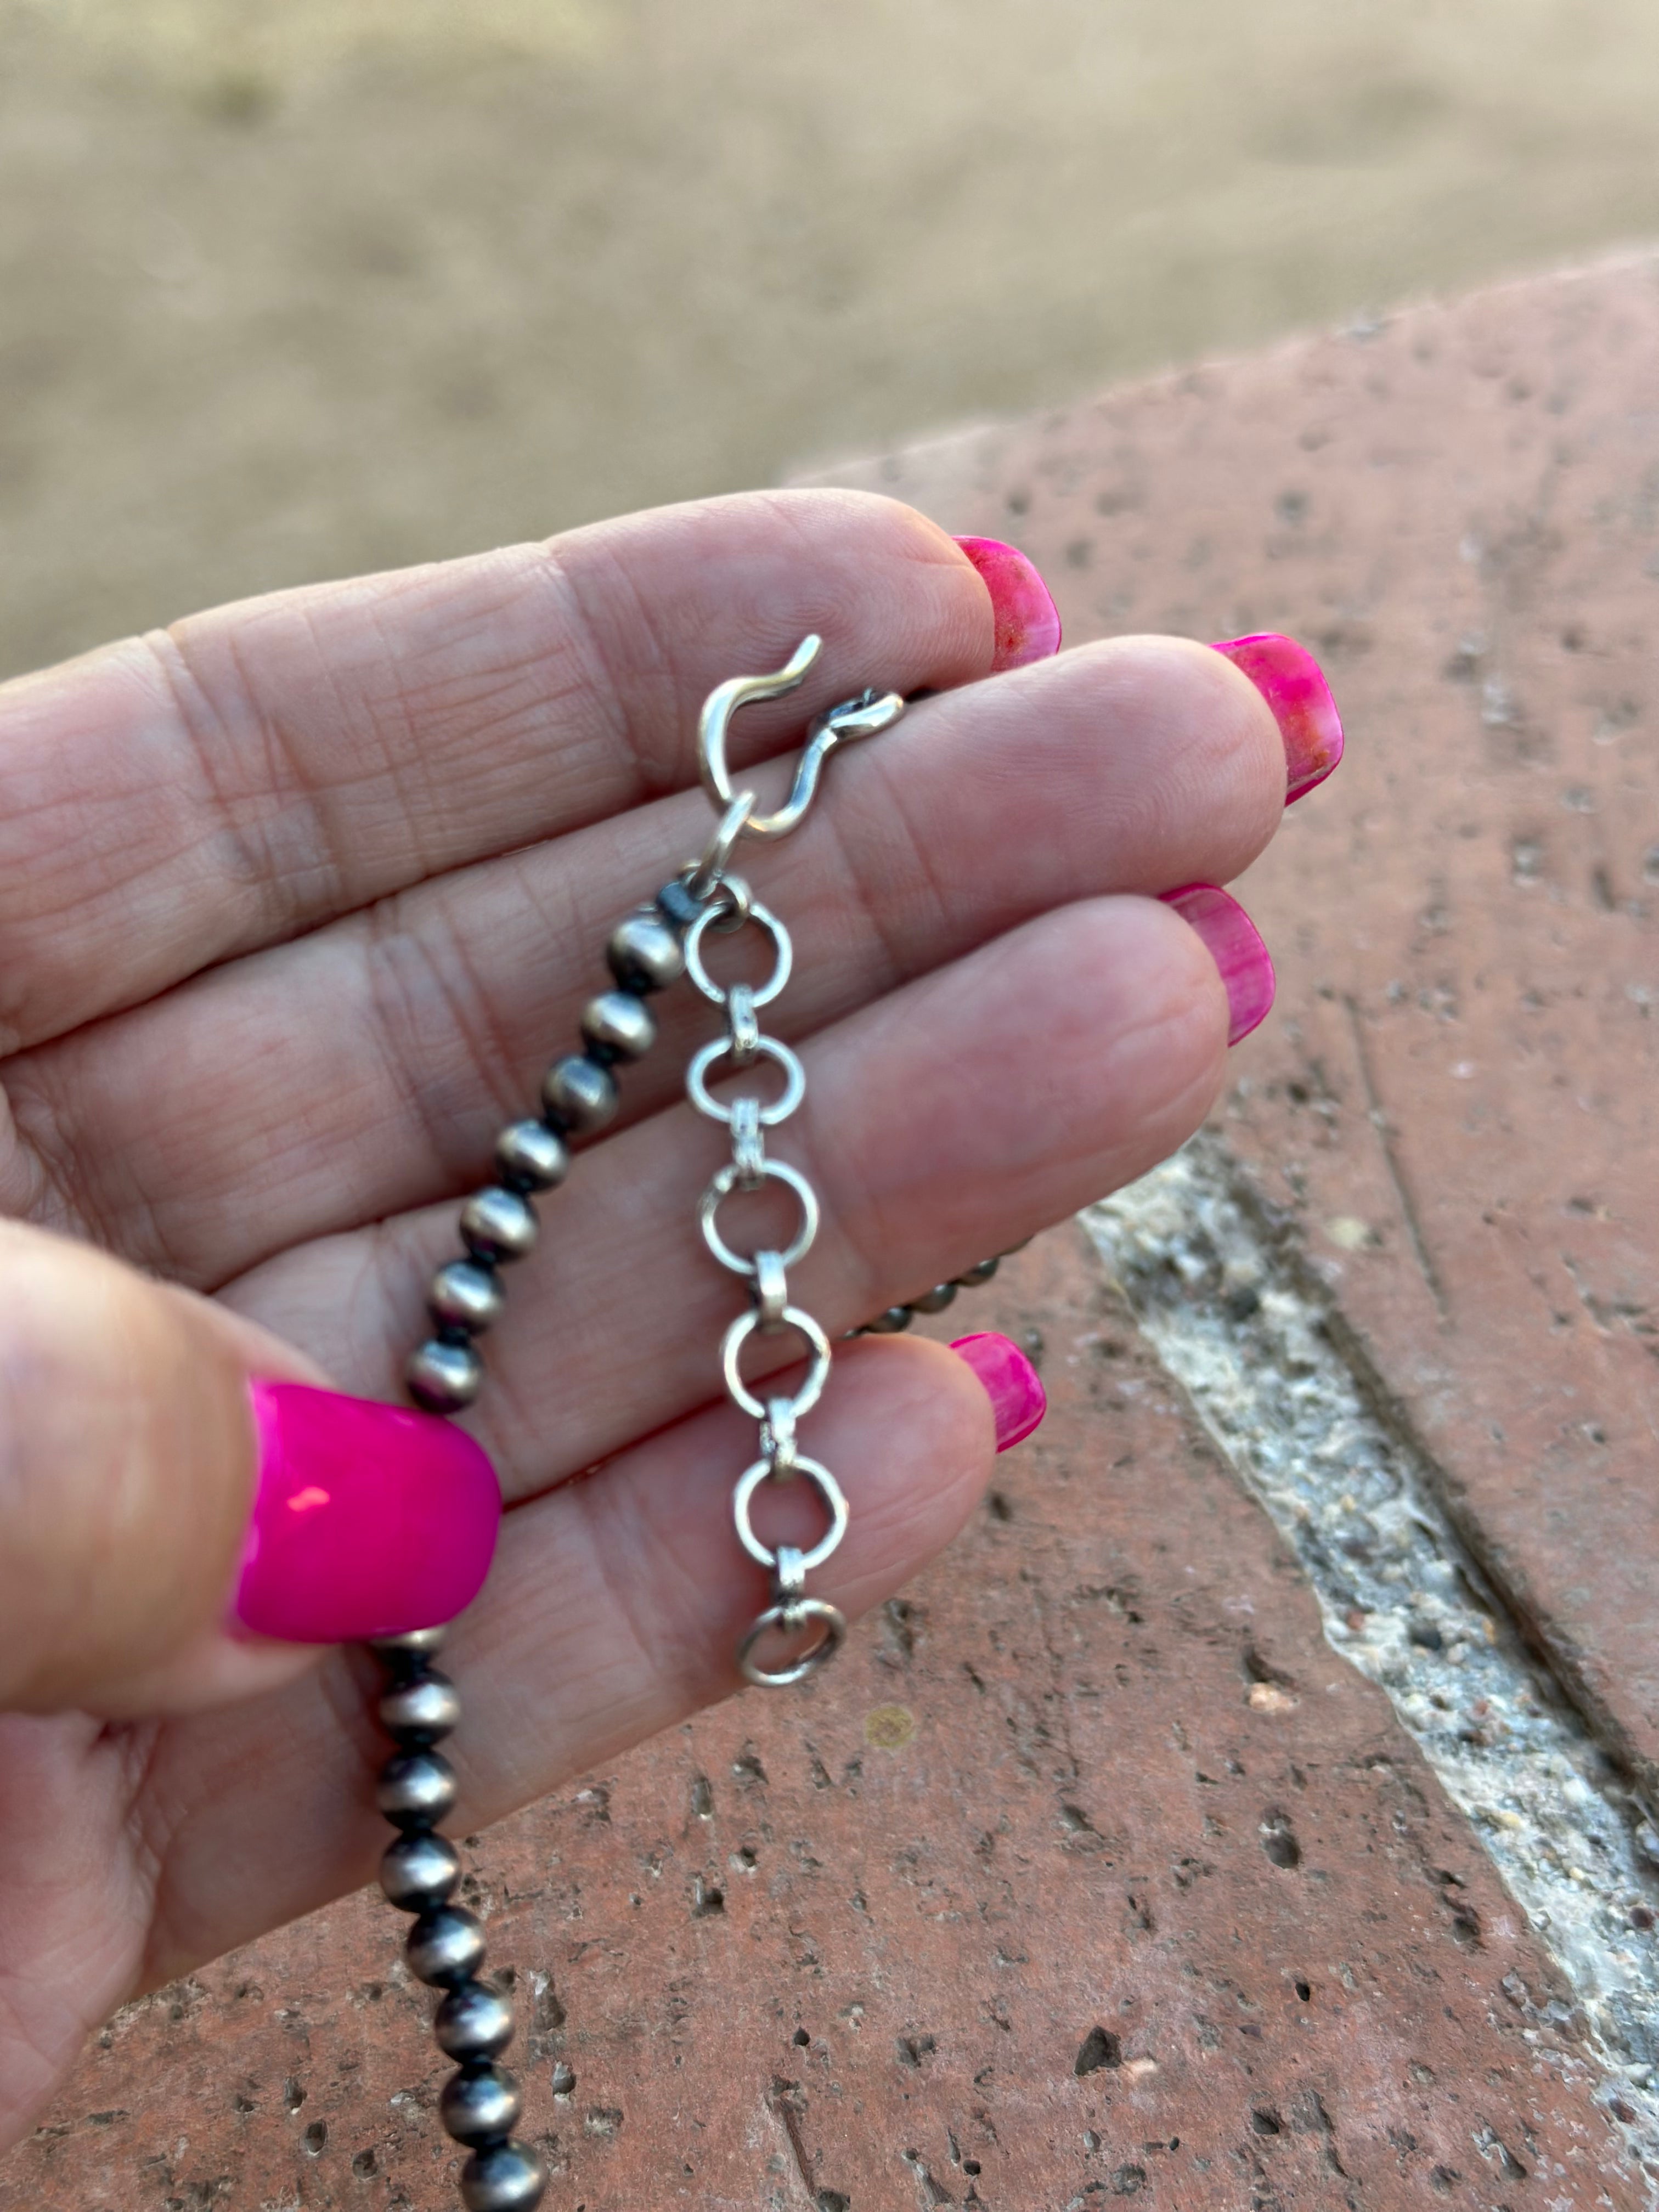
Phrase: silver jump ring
pixel 827 1489
pixel 726 1181
pixel 808 1608
pixel 783 951
pixel 794 1089
pixel 711 869
pixel 816 1375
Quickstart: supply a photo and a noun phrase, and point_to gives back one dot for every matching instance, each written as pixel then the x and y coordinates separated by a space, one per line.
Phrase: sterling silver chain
pixel 730 906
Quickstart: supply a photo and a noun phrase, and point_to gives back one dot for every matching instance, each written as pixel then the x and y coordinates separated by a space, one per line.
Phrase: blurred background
pixel 290 288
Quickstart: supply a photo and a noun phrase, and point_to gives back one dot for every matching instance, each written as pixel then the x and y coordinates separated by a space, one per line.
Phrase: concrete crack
pixel 1240 1326
pixel 1376 1114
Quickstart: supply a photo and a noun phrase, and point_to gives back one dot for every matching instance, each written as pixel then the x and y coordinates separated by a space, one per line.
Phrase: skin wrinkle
pixel 654 774
pixel 390 956
pixel 208 733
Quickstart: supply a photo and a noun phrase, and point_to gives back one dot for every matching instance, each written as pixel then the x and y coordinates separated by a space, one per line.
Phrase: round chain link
pixel 816 1375
pixel 730 1178
pixel 828 1490
pixel 783 952
pixel 766 1048
pixel 791 1619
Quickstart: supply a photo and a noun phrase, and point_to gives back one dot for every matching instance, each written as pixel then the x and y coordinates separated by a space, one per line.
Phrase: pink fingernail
pixel 369 1520
pixel 1027 619
pixel 1018 1399
pixel 1234 944
pixel 1293 685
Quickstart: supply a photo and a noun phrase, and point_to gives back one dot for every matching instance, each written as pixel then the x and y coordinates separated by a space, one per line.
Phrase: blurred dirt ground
pixel 287 290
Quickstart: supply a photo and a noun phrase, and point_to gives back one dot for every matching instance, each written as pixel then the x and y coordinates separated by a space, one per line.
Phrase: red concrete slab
pixel 1457 1102
pixel 1039 1900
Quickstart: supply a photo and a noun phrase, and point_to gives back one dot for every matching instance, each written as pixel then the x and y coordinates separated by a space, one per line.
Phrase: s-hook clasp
pixel 863 717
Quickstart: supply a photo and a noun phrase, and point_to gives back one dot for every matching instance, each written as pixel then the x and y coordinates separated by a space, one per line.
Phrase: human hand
pixel 296 901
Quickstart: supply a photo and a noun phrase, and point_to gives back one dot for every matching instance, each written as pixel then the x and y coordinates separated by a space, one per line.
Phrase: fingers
pixel 613 1611
pixel 945 1122
pixel 366 1069
pixel 174 799
pixel 173 1493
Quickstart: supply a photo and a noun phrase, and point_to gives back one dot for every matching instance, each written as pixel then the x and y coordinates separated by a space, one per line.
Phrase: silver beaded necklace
pixel 419 1707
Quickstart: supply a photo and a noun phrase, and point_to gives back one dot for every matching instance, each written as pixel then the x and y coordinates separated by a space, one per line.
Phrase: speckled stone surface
pixel 1091 1872
pixel 1458 1098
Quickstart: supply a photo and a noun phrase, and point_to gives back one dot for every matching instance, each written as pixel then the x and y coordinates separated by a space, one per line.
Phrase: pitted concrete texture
pixel 1090 1873
pixel 1456 1102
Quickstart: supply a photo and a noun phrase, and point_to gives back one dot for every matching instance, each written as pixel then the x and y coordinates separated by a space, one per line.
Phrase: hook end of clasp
pixel 865 716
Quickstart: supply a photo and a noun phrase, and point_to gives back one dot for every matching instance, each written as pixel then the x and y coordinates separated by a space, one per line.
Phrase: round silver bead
pixel 644 950
pixel 473 2022
pixel 498 1224
pixel 443 1377
pixel 425 1709
pixel 579 1093
pixel 890 1322
pixel 533 1154
pixel 480 2102
pixel 413 1643
pixel 463 1296
pixel 981 1272
pixel 620 1021
pixel 419 1873
pixel 416 1785
pixel 508 2177
pixel 445 1945
pixel 936 1300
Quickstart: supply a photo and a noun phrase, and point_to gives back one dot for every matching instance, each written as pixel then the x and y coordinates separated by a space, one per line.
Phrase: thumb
pixel 184 1514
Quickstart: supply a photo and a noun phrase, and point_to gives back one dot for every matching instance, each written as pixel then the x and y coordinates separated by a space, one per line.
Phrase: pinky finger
pixel 614 1610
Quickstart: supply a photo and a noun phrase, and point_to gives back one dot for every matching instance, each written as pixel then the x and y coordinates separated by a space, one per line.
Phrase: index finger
pixel 172 800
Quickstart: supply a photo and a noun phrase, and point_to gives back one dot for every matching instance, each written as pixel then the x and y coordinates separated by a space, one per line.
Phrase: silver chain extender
pixel 729 906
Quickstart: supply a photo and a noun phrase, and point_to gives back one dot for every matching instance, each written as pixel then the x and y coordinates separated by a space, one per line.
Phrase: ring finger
pixel 947 1122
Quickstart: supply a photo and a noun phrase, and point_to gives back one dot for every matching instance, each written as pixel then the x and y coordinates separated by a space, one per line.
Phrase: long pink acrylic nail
pixel 1019 1400
pixel 1234 944
pixel 1293 685
pixel 369 1520
pixel 1027 619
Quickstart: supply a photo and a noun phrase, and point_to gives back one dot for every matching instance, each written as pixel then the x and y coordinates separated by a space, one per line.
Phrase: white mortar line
pixel 1401 1598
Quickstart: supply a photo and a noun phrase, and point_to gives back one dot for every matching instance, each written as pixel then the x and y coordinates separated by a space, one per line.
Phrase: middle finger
pixel 360 1071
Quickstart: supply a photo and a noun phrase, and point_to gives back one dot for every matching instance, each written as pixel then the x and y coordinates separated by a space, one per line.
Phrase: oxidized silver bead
pixel 498 1224
pixel 416 1786
pixel 443 1377
pixel 423 1710
pixel 890 1322
pixel 445 1945
pixel 644 951
pixel 473 2022
pixel 419 1873
pixel 981 1272
pixel 936 1300
pixel 621 1022
pixel 508 2177
pixel 533 1154
pixel 413 1643
pixel 579 1093
pixel 479 2103
pixel 463 1296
